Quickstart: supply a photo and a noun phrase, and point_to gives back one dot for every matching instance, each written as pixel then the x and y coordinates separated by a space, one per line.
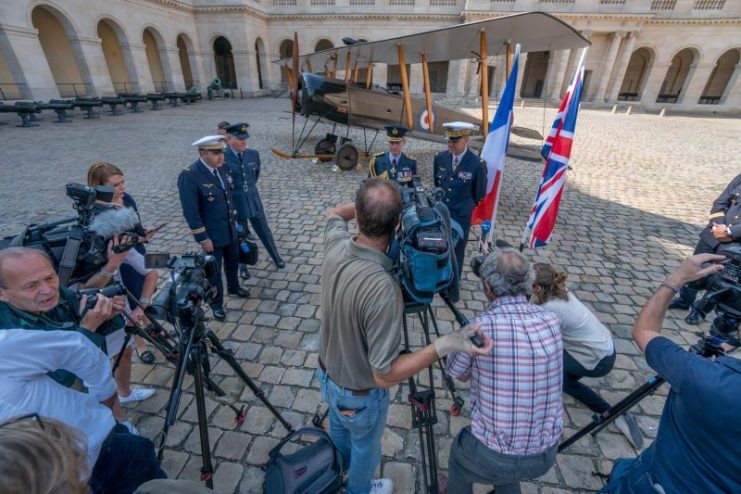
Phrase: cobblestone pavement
pixel 638 194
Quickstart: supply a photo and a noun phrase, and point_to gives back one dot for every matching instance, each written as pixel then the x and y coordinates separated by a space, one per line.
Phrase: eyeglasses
pixel 31 416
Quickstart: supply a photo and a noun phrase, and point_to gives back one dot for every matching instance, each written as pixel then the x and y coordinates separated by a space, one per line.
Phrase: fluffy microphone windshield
pixel 114 221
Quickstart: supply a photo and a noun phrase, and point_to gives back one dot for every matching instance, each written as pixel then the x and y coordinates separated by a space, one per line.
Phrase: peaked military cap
pixel 395 133
pixel 456 130
pixel 238 130
pixel 211 143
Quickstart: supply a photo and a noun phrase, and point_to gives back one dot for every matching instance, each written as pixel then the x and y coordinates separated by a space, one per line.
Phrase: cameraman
pixel 724 226
pixel 119 460
pixel 697 445
pixel 516 408
pixel 31 298
pixel 362 311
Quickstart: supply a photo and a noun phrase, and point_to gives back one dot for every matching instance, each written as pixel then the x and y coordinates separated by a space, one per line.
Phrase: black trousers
pixel 573 371
pixel 262 229
pixel 229 256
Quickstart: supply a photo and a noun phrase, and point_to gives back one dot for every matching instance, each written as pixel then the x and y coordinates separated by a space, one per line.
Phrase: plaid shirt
pixel 516 390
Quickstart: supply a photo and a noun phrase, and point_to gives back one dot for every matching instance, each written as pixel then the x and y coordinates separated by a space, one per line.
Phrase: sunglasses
pixel 31 416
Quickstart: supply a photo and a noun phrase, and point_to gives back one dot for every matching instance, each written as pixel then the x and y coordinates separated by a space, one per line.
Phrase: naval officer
pixel 206 199
pixel 394 165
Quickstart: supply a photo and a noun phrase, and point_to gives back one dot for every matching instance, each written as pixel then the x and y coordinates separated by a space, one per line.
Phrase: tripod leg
pixel 207 470
pixel 227 356
pixel 455 409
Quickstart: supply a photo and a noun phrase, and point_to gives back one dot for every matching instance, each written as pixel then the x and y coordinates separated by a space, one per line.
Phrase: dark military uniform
pixel 726 210
pixel 401 172
pixel 207 207
pixel 245 171
pixel 65 317
pixel 464 186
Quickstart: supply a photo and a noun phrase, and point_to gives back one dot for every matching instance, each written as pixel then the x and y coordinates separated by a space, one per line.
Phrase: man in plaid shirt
pixel 516 409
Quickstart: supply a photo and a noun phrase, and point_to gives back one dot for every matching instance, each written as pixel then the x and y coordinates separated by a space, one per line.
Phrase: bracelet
pixel 669 286
pixel 105 274
pixel 145 301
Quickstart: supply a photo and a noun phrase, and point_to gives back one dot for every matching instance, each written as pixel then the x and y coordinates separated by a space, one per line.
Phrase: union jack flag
pixel 556 151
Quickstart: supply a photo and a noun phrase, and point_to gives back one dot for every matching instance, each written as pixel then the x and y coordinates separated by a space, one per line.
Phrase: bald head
pixel 28 280
pixel 377 207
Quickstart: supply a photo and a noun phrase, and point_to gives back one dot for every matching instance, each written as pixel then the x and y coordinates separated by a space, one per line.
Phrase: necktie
pixel 455 162
pixel 218 178
pixel 240 156
pixel 393 165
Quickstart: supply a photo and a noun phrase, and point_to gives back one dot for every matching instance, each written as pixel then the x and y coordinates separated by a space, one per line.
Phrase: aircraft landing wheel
pixel 346 157
pixel 325 146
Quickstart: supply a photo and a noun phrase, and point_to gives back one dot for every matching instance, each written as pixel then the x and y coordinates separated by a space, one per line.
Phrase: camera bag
pixel 314 469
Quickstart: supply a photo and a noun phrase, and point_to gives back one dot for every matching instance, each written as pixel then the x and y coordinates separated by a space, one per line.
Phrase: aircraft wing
pixel 534 31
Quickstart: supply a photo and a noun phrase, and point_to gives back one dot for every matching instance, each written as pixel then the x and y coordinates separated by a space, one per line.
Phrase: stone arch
pixel 323 44
pixel 117 53
pixel 186 54
pixel 677 76
pixel 159 67
pixel 261 59
pixel 224 60
pixel 64 58
pixel 717 86
pixel 636 75
pixel 534 76
pixel 285 49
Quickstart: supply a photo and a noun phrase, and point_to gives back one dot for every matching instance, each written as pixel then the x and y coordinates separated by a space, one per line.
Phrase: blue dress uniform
pixel 402 172
pixel 464 186
pixel 726 210
pixel 245 172
pixel 207 207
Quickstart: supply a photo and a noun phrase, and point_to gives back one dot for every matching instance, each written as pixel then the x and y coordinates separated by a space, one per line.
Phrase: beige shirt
pixel 362 310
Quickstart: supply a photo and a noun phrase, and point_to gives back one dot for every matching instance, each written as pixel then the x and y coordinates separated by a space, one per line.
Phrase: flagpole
pixel 498 184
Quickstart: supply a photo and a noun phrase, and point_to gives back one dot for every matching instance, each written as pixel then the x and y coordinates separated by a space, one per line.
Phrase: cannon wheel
pixel 346 157
pixel 325 146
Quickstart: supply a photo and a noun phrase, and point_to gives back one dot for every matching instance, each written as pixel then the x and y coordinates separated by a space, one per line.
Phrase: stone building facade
pixel 678 54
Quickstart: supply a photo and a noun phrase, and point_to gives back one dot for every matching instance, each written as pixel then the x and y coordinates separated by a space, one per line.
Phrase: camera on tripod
pixel 423 248
pixel 77 246
pixel 181 297
pixel 722 294
pixel 110 291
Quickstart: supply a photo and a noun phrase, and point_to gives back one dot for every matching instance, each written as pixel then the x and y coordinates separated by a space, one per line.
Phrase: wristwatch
pixel 145 301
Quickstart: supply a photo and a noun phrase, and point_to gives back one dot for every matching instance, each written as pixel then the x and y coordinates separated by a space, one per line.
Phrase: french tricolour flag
pixel 495 148
pixel 556 151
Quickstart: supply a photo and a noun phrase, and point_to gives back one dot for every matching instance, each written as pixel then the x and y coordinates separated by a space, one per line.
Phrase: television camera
pixel 77 246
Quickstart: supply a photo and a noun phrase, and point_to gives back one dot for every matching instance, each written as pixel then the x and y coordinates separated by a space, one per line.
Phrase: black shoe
pixel 218 313
pixel 280 263
pixel 680 304
pixel 240 292
pixel 693 317
pixel 244 272
pixel 250 237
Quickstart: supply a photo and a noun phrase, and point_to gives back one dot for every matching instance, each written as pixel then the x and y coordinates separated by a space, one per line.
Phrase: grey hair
pixel 17 253
pixel 508 272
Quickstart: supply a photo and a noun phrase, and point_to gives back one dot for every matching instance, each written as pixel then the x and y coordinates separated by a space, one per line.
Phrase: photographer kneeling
pixel 516 408
pixel 31 298
pixel 118 460
pixel 697 445
pixel 362 312
pixel 588 349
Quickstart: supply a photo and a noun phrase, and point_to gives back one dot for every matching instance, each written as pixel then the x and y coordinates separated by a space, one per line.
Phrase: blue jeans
pixel 356 425
pixel 125 462
pixel 631 476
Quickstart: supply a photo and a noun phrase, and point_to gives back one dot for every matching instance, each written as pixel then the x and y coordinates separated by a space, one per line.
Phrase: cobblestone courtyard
pixel 639 192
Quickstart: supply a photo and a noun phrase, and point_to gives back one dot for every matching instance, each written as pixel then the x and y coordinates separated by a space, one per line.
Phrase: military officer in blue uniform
pixel 394 165
pixel 724 227
pixel 244 166
pixel 206 199
pixel 462 177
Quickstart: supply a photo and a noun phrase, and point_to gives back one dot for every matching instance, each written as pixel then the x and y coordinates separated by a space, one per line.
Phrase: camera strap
pixel 69 256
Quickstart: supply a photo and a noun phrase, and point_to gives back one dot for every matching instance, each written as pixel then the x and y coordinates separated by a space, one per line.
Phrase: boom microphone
pixel 115 221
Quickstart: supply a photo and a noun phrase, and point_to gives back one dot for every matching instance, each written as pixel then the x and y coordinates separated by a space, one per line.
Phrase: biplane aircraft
pixel 321 96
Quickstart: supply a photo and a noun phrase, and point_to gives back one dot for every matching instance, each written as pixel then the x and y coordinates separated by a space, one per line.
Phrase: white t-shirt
pixel 26 355
pixel 584 336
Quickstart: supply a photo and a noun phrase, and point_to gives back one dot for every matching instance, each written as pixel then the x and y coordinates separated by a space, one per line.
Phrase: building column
pixel 622 67
pixel 520 75
pixel 608 64
pixel 456 78
pixel 142 76
pixel 100 79
pixel 653 83
pixel 170 57
pixel 559 74
pixel 380 74
pixel 245 67
pixel 731 97
pixel 206 67
pixel 29 70
pixel 698 77
pixel 416 79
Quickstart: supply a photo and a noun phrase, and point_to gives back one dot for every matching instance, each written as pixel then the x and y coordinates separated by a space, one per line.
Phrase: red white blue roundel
pixel 424 121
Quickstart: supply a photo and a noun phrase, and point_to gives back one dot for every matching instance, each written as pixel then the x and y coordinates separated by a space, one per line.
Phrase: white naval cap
pixel 456 130
pixel 210 142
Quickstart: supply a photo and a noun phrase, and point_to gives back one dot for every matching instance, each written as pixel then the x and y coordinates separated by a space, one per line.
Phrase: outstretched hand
pixel 696 267
pixel 460 341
